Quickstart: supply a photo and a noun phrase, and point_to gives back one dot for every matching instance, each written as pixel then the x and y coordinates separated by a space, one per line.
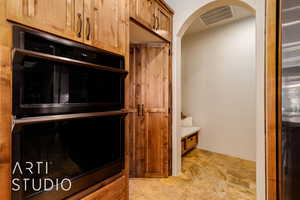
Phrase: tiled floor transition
pixel 206 176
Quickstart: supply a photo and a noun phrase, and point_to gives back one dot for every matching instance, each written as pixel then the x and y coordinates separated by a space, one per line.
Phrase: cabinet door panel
pixel 153 15
pixel 151 134
pixel 156 101
pixel 145 12
pixel 60 17
pixel 164 23
pixel 107 21
pixel 156 79
pixel 137 120
pixel 156 145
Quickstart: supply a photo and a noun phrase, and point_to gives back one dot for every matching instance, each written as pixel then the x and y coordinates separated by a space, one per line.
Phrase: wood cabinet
pixel 98 23
pixel 105 24
pixel 150 139
pixel 5 113
pixel 163 26
pixel 61 17
pixel 154 15
pixel 189 142
pixel 113 191
pixel 101 23
pixel 145 12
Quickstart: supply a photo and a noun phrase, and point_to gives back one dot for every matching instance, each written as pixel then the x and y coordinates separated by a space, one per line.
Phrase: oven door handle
pixel 19 54
pixel 43 119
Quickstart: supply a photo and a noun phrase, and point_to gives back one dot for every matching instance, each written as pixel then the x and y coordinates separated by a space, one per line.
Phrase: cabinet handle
pixel 157 23
pixel 138 109
pixel 88 28
pixel 143 112
pixel 154 23
pixel 79 25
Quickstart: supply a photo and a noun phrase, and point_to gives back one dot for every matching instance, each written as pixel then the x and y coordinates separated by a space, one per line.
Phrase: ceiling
pixel 237 13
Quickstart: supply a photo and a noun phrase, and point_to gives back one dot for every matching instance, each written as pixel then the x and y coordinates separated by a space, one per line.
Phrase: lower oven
pixel 55 157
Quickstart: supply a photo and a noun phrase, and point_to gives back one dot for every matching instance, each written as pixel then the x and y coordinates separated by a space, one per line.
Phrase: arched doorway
pixel 178 34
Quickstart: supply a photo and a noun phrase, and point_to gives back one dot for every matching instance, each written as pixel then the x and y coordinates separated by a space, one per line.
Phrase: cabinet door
pixel 149 146
pixel 137 120
pixel 105 24
pixel 60 17
pixel 163 27
pixel 156 104
pixel 145 12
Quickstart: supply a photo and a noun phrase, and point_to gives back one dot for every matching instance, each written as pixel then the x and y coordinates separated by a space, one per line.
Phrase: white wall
pixel 260 100
pixel 219 87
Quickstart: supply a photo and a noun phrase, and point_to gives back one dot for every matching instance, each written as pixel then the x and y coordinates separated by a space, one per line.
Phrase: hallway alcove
pixel 191 177
pixel 190 12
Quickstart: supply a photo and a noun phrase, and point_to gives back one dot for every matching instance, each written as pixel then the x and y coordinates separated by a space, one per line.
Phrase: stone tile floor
pixel 205 176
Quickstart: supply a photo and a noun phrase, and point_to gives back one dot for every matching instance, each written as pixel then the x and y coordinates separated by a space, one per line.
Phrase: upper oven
pixel 52 75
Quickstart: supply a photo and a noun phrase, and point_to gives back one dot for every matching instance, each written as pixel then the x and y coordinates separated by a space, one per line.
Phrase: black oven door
pixel 52 75
pixel 44 87
pixel 84 151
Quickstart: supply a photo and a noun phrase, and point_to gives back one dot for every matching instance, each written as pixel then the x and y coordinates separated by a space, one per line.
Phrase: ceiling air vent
pixel 216 15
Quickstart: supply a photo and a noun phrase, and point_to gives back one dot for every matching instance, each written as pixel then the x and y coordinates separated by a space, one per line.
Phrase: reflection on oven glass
pixel 72 148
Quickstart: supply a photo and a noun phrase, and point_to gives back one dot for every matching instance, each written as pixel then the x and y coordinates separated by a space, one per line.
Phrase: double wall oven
pixel 68 102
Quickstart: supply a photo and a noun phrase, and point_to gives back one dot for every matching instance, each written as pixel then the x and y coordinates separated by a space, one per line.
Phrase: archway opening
pixel 179 67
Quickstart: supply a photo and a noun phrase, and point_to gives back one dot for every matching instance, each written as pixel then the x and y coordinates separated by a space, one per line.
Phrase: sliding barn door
pixel 151 136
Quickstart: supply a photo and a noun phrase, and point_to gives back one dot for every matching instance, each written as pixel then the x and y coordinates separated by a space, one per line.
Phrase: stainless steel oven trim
pixel 43 119
pixel 18 54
